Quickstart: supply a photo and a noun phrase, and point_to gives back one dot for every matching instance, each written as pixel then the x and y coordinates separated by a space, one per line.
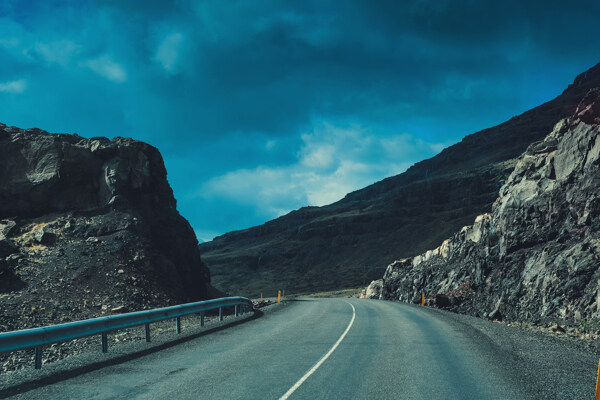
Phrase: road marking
pixel 322 360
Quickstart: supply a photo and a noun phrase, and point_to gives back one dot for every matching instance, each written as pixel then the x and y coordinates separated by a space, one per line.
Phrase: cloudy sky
pixel 261 107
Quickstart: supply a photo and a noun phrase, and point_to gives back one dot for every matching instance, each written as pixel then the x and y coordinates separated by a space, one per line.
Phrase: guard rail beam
pixel 38 337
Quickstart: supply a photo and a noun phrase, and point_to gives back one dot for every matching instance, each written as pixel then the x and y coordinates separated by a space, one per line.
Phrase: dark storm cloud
pixel 272 92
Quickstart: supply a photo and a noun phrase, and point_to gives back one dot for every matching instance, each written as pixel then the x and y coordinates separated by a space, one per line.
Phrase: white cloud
pixel 17 86
pixel 106 67
pixel 272 189
pixel 328 188
pixel 270 144
pixel 317 155
pixel 57 52
pixel 331 162
pixel 167 52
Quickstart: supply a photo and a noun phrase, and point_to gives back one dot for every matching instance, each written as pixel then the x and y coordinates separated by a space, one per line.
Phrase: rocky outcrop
pixel 89 227
pixel 536 255
pixel 350 242
pixel 374 289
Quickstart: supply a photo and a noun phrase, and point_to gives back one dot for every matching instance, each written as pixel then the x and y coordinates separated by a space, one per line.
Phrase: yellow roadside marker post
pixel 598 383
pixel 261 295
pixel 423 299
pixel 278 296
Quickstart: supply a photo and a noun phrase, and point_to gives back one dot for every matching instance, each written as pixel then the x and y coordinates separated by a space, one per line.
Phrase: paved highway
pixel 347 349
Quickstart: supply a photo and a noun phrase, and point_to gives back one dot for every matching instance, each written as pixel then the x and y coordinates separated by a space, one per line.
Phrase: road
pixel 347 349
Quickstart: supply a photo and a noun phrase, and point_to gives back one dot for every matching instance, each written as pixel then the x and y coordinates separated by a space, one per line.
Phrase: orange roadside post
pixel 423 299
pixel 278 296
pixel 598 383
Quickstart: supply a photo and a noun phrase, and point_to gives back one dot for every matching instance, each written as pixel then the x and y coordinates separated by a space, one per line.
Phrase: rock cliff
pixel 89 227
pixel 349 243
pixel 536 255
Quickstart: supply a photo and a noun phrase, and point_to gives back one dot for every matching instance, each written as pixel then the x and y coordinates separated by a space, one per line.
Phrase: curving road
pixel 348 349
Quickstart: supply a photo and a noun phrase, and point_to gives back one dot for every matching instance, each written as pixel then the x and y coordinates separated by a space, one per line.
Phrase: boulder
pixel 44 236
pixel 374 289
pixel 6 226
pixel 443 301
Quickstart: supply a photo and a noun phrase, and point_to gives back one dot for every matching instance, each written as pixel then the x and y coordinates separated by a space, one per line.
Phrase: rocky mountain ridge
pixel 89 227
pixel 350 242
pixel 536 256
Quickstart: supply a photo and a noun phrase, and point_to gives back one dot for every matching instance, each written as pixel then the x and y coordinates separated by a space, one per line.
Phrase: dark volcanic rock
pixel 349 243
pixel 44 236
pixel 536 256
pixel 6 248
pixel 89 227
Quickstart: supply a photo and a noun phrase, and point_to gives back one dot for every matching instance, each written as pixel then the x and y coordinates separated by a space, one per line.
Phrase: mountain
pixel 89 227
pixel 350 242
pixel 536 255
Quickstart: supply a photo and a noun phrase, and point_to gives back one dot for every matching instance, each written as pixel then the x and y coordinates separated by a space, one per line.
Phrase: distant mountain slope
pixel 350 242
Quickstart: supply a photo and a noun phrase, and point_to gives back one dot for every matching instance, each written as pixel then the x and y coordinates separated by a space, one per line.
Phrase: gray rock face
pixel 77 211
pixel 536 256
pixel 374 289
pixel 44 173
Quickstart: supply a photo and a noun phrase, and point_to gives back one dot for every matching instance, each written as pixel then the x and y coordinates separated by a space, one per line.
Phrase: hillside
pixel 350 242
pixel 89 227
pixel 536 255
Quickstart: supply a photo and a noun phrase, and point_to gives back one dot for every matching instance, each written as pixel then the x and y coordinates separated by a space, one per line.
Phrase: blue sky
pixel 261 107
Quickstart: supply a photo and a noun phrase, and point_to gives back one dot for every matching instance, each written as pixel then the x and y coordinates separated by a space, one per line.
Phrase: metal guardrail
pixel 38 337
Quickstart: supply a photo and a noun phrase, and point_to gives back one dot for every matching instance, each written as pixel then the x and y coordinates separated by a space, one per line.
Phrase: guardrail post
pixel 237 309
pixel 178 325
pixel 202 318
pixel 38 357
pixel 220 313
pixel 147 332
pixel 104 342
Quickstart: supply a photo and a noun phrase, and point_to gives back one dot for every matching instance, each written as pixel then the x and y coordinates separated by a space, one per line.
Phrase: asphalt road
pixel 347 349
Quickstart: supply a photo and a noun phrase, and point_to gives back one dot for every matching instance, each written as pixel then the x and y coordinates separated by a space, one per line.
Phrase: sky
pixel 262 107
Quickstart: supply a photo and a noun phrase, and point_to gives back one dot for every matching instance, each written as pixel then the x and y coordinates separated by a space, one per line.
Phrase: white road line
pixel 322 360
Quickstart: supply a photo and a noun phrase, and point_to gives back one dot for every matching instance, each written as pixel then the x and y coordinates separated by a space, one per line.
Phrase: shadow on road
pixel 72 373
